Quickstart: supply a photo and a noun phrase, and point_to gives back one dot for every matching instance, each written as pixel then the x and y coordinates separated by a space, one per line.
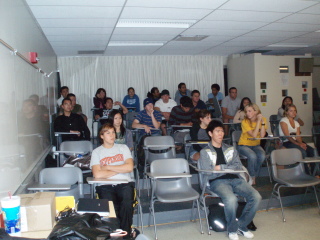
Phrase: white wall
pixel 18 81
pixel 266 69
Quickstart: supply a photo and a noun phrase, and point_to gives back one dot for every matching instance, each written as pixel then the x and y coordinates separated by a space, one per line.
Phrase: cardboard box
pixel 37 211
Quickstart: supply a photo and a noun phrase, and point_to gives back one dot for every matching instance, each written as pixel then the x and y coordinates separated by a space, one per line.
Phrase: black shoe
pixel 251 226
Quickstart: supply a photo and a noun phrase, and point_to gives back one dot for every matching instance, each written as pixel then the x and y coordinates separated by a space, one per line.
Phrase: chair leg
pixel 154 221
pixel 269 172
pixel 200 221
pixel 315 192
pixel 271 195
pixel 206 213
pixel 141 216
pixel 281 204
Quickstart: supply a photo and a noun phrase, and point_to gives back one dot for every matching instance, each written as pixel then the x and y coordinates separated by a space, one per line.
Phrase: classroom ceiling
pixel 105 27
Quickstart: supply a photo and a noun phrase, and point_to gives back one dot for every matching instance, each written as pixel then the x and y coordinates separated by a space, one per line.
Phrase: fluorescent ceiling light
pixel 289 45
pixel 137 44
pixel 318 31
pixel 155 23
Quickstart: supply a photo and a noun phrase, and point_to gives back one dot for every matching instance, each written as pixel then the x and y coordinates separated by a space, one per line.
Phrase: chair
pixel 235 139
pixel 187 146
pixel 316 139
pixel 291 174
pixel 69 148
pixel 158 147
pixel 142 237
pixel 171 183
pixel 61 176
pixel 274 125
pixel 217 109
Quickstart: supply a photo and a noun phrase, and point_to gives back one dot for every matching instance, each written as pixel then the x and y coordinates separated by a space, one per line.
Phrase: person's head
pixel 116 118
pixel 182 87
pixel 251 111
pixel 290 111
pixel 131 91
pixel 101 93
pixel 286 101
pixel 244 102
pixel 66 105
pixel 148 104
pixel 73 99
pixel 35 98
pixel 29 107
pixel 233 92
pixel 154 93
pixel 215 88
pixel 204 117
pixel 195 96
pixel 165 95
pixel 186 103
pixel 107 133
pixel 216 132
pixel 109 103
pixel 64 91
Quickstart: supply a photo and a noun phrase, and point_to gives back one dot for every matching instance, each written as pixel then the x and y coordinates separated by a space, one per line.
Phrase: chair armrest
pixel 177 175
pixel 157 146
pixel 52 187
pixel 64 133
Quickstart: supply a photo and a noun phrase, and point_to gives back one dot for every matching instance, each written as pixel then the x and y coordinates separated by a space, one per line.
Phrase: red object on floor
pixel 1 221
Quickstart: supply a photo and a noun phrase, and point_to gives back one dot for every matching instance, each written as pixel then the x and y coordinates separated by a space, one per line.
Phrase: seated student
pixel 287 101
pixel 229 106
pixel 198 132
pixel 220 156
pixel 198 104
pixel 71 122
pixel 76 108
pixel 100 98
pixel 123 135
pixel 64 91
pixel 148 118
pixel 165 105
pixel 131 100
pixel 253 126
pixel 107 108
pixel 215 88
pixel 114 161
pixel 182 91
pixel 240 113
pixel 289 126
pixel 183 113
pixel 154 94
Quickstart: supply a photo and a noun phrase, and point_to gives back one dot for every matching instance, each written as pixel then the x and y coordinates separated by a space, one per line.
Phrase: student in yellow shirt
pixel 253 126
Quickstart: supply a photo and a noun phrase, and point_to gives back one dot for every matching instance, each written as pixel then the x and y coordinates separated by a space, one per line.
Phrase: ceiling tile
pixel 205 4
pixel 301 18
pixel 80 37
pixel 294 27
pixel 77 31
pixel 76 23
pixel 75 12
pixel 100 3
pixel 229 25
pixel 163 13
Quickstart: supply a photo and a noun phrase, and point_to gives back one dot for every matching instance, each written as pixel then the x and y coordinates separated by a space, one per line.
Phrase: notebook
pixel 88 205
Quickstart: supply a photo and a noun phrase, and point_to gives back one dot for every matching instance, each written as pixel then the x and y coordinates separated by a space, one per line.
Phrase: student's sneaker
pixel 233 236
pixel 246 234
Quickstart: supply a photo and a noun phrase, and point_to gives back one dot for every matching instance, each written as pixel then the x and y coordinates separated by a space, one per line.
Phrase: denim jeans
pixel 226 189
pixel 256 155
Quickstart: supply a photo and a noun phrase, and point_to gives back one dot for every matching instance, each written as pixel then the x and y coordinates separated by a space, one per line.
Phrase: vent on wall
pixel 91 52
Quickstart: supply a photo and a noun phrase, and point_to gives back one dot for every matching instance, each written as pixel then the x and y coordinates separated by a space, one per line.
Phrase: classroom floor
pixel 302 224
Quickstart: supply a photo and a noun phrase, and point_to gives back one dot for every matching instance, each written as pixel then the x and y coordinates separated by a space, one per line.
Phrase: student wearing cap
pixel 148 118
pixel 165 105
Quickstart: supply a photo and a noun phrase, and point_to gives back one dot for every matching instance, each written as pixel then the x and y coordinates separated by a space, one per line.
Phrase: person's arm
pixel 225 116
pixel 137 124
pixel 155 122
pixel 127 167
pixel 236 118
pixel 98 172
pixel 205 161
pixel 124 109
pixel 84 127
pixel 254 132
pixel 299 120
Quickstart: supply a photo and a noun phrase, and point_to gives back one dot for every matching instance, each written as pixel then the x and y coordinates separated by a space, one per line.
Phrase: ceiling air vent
pixel 190 38
pixel 256 51
pixel 91 52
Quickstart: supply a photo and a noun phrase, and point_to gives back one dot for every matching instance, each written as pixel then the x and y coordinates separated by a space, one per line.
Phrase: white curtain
pixel 84 75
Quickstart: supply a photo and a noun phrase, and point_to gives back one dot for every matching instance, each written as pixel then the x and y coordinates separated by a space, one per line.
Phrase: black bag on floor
pixel 217 219
pixel 86 226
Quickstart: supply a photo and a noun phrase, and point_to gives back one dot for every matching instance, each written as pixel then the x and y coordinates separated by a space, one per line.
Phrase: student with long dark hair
pixel 240 113
pixel 123 135
pixel 100 98
pixel 154 94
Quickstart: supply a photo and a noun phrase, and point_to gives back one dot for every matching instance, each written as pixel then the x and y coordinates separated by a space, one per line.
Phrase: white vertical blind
pixel 84 75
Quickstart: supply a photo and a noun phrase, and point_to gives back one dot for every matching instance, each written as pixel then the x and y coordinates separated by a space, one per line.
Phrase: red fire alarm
pixel 33 57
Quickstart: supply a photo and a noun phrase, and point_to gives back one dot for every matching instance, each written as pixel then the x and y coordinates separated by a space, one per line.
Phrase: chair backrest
pixel 153 153
pixel 287 159
pixel 235 138
pixel 129 117
pixel 187 147
pixel 217 108
pixel 75 147
pixel 316 137
pixel 64 175
pixel 170 166
pixel 274 125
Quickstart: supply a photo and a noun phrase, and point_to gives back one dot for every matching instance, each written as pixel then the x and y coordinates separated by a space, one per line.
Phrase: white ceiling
pixel 232 26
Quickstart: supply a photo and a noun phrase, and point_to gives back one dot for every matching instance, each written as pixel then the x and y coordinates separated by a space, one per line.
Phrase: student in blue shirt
pixel 131 100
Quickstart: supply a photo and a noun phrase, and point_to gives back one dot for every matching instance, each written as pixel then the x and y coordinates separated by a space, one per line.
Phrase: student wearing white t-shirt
pixel 114 161
pixel 164 105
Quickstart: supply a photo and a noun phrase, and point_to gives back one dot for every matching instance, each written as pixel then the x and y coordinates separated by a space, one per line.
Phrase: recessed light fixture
pixel 137 44
pixel 154 23
pixel 289 45
pixel 318 31
pixel 190 38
